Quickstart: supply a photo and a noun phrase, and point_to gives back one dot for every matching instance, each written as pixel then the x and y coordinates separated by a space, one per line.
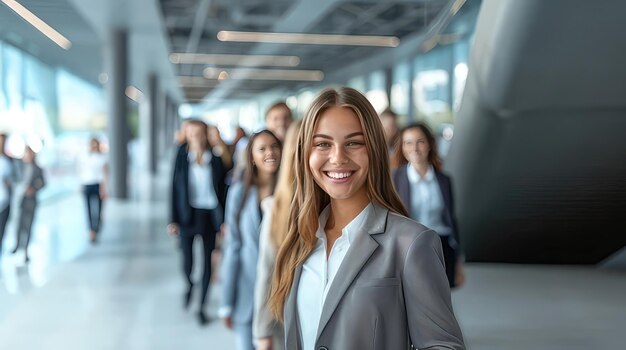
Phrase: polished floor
pixel 126 291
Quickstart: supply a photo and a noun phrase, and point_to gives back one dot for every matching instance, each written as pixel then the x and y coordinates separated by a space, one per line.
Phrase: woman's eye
pixel 354 144
pixel 322 144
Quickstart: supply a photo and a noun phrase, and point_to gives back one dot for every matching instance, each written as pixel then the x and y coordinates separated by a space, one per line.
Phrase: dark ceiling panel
pixel 399 18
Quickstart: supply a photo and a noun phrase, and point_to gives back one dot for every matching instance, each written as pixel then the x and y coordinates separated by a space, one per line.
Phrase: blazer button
pixel 322 348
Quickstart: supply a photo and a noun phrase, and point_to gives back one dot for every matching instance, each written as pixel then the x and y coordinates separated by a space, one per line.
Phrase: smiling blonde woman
pixel 354 272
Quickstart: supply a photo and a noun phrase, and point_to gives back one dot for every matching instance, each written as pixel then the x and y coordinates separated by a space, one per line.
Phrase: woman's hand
pixel 264 343
pixel 459 275
pixel 228 322
pixel 173 229
pixel 103 192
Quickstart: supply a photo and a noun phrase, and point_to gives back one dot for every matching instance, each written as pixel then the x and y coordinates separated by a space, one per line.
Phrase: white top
pixel 201 192
pixel 5 175
pixel 91 168
pixel 318 274
pixel 426 200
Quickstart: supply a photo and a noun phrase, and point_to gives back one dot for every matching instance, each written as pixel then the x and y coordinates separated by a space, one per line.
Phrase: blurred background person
pixel 278 118
pixel 219 147
pixel 34 181
pixel 427 192
pixel 389 119
pixel 92 168
pixel 267 331
pixel 197 205
pixel 181 134
pixel 6 182
pixel 239 145
pixel 240 141
pixel 241 244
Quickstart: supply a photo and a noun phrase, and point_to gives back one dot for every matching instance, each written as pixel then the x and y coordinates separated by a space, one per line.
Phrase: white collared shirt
pixel 318 274
pixel 91 168
pixel 426 200
pixel 201 192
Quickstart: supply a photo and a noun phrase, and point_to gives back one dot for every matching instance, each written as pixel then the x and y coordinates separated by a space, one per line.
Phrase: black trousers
pixel 201 226
pixel 94 206
pixel 27 214
pixel 450 256
pixel 4 217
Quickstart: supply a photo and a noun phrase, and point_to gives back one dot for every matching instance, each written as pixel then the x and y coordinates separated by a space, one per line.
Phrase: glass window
pixel 13 77
pixel 81 104
pixel 377 94
pixel 357 83
pixel 3 100
pixel 400 92
pixel 431 90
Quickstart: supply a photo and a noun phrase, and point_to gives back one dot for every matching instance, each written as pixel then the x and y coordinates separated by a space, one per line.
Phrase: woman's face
pixel 415 146
pixel 266 154
pixel 196 136
pixel 339 161
pixel 94 146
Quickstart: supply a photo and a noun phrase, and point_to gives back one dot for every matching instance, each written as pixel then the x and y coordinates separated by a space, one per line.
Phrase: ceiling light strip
pixel 133 93
pixel 309 39
pixel 36 22
pixel 264 74
pixel 235 60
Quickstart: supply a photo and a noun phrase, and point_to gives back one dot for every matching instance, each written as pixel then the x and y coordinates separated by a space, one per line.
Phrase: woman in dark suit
pixel 34 180
pixel 427 192
pixel 197 204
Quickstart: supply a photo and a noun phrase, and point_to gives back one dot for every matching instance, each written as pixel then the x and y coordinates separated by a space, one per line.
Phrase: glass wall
pixel 50 110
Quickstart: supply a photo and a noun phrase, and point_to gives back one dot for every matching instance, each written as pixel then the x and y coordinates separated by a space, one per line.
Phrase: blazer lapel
pixel 359 252
pixel 292 335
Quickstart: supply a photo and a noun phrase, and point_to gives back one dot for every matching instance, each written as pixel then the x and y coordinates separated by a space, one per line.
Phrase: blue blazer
pixel 241 253
pixel 180 207
pixel 403 187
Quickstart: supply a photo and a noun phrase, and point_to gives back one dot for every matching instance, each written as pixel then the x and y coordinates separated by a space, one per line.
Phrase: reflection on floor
pixel 126 292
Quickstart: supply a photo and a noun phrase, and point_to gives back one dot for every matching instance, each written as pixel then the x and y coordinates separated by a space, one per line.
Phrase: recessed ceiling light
pixel 36 22
pixel 235 60
pixel 264 74
pixel 133 93
pixel 309 39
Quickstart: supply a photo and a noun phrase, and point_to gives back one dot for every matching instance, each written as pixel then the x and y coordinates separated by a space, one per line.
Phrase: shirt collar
pixel 414 176
pixel 206 159
pixel 351 229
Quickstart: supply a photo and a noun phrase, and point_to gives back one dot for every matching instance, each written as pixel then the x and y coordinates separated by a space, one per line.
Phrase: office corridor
pixel 126 291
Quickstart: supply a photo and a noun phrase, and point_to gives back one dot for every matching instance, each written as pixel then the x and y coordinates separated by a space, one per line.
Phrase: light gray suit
pixel 390 291
pixel 239 264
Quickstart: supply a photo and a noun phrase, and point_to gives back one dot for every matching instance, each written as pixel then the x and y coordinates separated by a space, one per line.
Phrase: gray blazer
pixel 37 182
pixel 391 291
pixel 263 323
pixel 241 251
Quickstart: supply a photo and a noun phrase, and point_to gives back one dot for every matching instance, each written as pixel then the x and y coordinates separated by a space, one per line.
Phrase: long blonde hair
pixel 309 199
pixel 283 194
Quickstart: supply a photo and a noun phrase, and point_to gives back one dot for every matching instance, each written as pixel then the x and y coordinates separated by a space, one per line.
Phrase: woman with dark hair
pixel 267 331
pixel 427 192
pixel 353 272
pixel 241 243
pixel 93 176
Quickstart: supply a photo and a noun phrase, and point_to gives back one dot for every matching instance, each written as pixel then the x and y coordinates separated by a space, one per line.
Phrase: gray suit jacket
pixel 241 252
pixel 391 291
